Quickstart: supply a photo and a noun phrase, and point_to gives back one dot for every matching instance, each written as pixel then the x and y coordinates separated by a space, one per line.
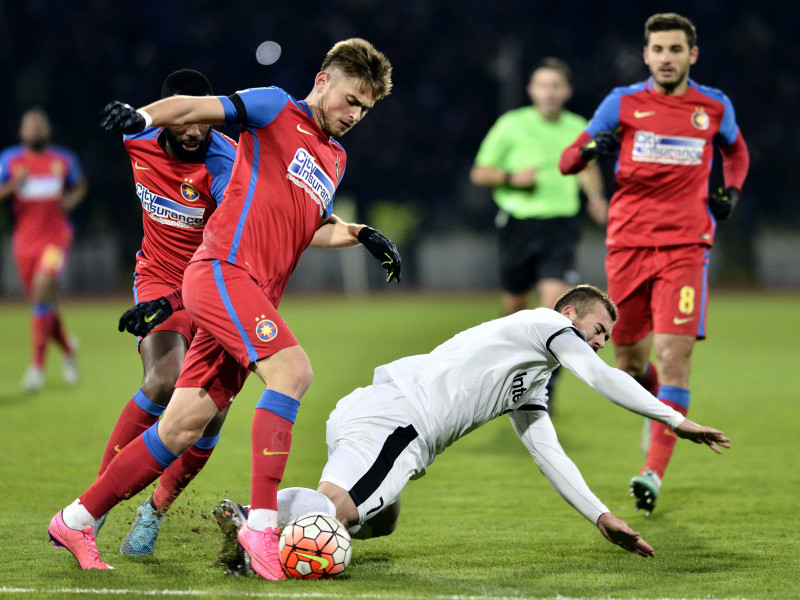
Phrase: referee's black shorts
pixel 536 249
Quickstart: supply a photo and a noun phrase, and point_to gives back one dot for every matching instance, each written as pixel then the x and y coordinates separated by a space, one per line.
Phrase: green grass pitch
pixel 483 522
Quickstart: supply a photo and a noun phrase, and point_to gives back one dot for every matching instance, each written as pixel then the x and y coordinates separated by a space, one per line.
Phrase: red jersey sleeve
pixel 735 162
pixel 571 161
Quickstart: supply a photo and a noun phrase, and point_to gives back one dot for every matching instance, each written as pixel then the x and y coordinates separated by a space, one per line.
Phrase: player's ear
pixel 693 54
pixel 321 80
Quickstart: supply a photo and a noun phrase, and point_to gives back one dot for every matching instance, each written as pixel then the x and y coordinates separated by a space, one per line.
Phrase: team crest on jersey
pixel 304 172
pixel 266 330
pixel 189 193
pixel 337 166
pixel 700 119
pixel 57 168
pixel 667 149
pixel 168 212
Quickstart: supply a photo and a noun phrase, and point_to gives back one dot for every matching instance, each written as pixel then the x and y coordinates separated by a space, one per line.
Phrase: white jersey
pixel 499 366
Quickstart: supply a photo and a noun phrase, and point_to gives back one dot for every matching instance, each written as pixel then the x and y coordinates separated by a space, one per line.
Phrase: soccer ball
pixel 315 546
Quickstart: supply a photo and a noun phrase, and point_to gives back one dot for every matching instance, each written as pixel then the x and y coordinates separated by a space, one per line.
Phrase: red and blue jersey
pixel 36 205
pixel 178 197
pixel 284 179
pixel 665 156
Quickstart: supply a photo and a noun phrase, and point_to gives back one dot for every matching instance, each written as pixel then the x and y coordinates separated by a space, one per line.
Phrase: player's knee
pixel 158 386
pixel 215 425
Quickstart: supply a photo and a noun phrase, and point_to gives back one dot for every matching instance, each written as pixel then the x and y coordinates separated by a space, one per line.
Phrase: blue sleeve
pixel 5 165
pixel 219 162
pixel 606 117
pixel 260 106
pixel 74 171
pixel 146 134
pixel 728 129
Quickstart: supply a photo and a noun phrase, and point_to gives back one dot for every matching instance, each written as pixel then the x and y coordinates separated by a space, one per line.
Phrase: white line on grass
pixel 276 594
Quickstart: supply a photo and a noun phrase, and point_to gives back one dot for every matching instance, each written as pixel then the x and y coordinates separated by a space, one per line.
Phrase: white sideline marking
pixel 242 594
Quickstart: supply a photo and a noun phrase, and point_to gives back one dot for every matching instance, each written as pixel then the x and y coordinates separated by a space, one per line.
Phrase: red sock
pixel 271 441
pixel 178 475
pixel 129 473
pixel 650 379
pixel 662 443
pixel 131 423
pixel 60 336
pixel 41 327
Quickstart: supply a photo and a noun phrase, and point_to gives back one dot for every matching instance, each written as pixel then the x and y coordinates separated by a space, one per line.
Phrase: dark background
pixel 457 66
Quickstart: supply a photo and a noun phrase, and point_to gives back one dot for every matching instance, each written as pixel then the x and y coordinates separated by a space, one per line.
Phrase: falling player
pixel 662 219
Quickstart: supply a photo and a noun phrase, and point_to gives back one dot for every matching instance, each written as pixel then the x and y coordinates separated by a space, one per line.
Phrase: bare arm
pixel 74 196
pixel 591 182
pixel 185 110
pixel 334 233
pixel 493 177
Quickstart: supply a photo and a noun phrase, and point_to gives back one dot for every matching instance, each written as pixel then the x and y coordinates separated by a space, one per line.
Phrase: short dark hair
pixel 670 22
pixel 359 59
pixel 556 64
pixel 583 298
pixel 186 82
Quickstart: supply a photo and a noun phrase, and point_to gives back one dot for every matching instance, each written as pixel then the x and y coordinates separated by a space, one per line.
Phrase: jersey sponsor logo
pixel 38 188
pixel 518 386
pixel 700 119
pixel 304 172
pixel 641 114
pixel 667 149
pixel 301 130
pixel 189 193
pixel 168 212
pixel 266 330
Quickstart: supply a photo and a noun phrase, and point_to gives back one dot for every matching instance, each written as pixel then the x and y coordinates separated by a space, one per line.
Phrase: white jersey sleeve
pixel 536 431
pixel 613 384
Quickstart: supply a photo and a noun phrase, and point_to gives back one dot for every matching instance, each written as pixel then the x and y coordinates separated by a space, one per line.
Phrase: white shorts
pixel 373 449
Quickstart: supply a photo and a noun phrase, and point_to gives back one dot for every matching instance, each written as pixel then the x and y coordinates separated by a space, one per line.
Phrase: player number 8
pixel 686 303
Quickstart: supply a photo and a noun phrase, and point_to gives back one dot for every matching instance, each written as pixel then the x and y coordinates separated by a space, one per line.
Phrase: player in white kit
pixel 382 435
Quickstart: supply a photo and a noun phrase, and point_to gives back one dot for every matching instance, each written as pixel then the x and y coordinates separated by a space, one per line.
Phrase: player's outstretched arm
pixel 617 532
pixel 118 117
pixel 713 438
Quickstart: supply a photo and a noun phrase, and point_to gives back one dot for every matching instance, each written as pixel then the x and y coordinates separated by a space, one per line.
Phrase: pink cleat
pixel 262 548
pixel 80 542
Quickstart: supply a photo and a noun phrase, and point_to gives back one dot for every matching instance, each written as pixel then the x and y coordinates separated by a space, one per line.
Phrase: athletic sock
pixel 60 336
pixel 649 380
pixel 138 415
pixel 295 502
pixel 180 473
pixel 41 330
pixel 662 438
pixel 271 440
pixel 134 468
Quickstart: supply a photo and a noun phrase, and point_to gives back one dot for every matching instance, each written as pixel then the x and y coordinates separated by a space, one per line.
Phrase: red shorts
pixel 237 325
pixel 146 287
pixel 664 290
pixel 47 256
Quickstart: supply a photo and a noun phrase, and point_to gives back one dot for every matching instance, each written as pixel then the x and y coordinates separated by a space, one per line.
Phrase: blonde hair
pixel 359 59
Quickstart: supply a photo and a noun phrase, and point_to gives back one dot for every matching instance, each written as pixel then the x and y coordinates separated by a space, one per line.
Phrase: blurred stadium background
pixel 457 67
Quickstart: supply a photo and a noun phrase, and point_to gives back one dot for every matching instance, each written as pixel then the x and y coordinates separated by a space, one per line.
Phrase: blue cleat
pixel 141 539
pixel 645 487
pixel 98 525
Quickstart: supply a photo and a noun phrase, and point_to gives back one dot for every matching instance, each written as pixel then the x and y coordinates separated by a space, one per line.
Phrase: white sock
pixel 295 502
pixel 77 517
pixel 261 518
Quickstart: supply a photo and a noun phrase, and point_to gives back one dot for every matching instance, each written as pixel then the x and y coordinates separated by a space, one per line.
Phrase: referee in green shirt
pixel 538 216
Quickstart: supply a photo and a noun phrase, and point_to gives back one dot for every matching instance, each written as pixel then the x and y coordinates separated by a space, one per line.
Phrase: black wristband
pixel 364 233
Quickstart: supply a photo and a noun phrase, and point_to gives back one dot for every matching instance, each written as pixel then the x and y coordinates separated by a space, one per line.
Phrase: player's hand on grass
pixel 118 117
pixel 604 143
pixel 617 532
pixel 383 249
pixel 722 202
pixel 713 438
pixel 143 317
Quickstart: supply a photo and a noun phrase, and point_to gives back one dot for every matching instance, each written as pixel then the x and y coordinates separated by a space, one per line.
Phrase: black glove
pixel 118 117
pixel 722 202
pixel 383 249
pixel 143 317
pixel 604 143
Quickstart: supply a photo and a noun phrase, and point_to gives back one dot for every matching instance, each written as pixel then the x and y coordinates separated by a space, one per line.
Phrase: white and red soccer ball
pixel 315 546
